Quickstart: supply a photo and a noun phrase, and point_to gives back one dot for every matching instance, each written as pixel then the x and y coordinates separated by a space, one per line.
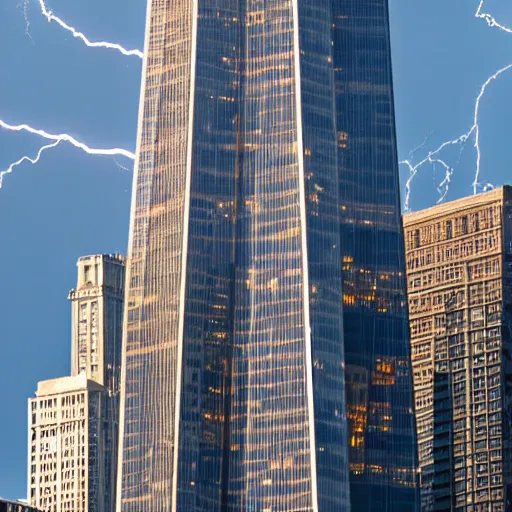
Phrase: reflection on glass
pixel 379 389
pixel 234 383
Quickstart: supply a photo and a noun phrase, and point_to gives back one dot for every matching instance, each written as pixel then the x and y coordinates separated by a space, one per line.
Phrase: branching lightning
pixel 432 158
pixel 445 184
pixel 473 133
pixel 122 167
pixel 79 35
pixel 27 159
pixel 419 147
pixel 489 19
pixel 24 5
pixel 57 139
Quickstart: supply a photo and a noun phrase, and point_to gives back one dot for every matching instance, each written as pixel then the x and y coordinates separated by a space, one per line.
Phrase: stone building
pixel 68 437
pixel 74 421
pixel 15 506
pixel 459 274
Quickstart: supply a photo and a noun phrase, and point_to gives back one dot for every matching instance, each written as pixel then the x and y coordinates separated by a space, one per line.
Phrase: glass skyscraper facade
pixel 265 231
pixel 378 375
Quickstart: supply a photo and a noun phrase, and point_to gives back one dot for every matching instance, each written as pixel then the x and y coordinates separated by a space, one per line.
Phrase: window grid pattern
pixel 97 318
pixel 382 447
pixel 324 251
pixel 67 452
pixel 270 462
pixel 265 257
pixel 458 279
pixel 155 263
pixel 208 322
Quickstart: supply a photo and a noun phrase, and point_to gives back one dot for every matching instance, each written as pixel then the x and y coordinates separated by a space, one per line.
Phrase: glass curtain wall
pixel 246 209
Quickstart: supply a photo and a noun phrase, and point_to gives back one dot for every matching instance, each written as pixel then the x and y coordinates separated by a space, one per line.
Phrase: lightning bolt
pixel 433 157
pixel 122 167
pixel 27 159
pixel 419 147
pixel 448 171
pixel 79 35
pixel 489 19
pixel 24 5
pixel 57 139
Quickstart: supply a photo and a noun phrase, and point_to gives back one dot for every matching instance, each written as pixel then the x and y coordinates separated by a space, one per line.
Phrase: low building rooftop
pixel 458 205
pixel 67 385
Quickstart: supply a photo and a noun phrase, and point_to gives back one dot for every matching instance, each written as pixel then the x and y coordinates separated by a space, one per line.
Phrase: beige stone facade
pixel 459 289
pixel 97 310
pixel 15 506
pixel 67 445
pixel 73 421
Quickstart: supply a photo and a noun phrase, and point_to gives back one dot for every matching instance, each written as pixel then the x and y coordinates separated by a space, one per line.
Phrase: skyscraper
pixel 459 269
pixel 381 433
pixel 74 421
pixel 266 177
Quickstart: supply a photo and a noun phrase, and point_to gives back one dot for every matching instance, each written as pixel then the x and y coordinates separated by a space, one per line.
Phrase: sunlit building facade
pixel 459 271
pixel 97 319
pixel 266 183
pixel 74 421
pixel 97 304
pixel 67 439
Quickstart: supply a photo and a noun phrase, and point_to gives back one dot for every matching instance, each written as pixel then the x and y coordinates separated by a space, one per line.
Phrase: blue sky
pixel 72 204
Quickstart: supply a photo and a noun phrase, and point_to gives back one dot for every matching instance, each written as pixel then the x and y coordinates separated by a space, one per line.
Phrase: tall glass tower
pixel 266 204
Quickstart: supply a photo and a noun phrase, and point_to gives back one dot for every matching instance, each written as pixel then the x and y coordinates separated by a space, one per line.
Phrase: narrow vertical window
pixel 449 229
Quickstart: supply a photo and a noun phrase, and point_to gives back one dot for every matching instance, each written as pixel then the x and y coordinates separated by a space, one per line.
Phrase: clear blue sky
pixel 72 204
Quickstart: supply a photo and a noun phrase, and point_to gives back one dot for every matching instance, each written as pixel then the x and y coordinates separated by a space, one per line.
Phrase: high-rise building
pixel 266 178
pixel 15 506
pixel 97 319
pixel 459 271
pixel 67 453
pixel 97 305
pixel 382 443
pixel 74 421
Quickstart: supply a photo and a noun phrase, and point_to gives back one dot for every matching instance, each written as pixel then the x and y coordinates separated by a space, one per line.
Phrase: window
pixel 417 238
pixel 449 229
pixel 465 225
pixel 477 317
